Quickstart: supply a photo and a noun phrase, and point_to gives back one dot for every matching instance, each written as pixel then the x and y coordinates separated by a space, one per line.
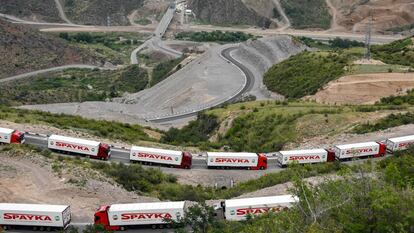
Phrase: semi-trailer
pixel 239 209
pixel 304 156
pixel 34 216
pixel 11 136
pixel 253 161
pixel 93 149
pixel 121 216
pixel 359 150
pixel 145 155
pixel 399 143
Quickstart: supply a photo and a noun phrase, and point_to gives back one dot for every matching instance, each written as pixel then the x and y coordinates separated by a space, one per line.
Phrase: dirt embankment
pixel 364 88
pixel 354 15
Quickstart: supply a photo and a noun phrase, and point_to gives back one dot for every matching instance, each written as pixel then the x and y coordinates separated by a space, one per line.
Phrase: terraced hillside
pixel 23 50
pixel 35 10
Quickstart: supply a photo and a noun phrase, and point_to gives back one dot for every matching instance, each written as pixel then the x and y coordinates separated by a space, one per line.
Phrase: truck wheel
pixel 261 168
pixel 5 228
pixel 154 226
pixel 41 229
pixel 161 226
pixel 34 228
pixel 123 228
pixel 48 228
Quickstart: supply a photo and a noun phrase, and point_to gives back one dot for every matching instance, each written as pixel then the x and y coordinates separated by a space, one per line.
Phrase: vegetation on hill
pixel 164 69
pixel 74 85
pixel 106 129
pixel 399 52
pixel 102 12
pixel 305 73
pixel 24 49
pixel 390 121
pixel 116 47
pixel 307 14
pixel 214 36
pixel 399 100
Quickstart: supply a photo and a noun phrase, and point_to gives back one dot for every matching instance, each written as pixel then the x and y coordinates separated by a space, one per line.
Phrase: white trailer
pixel 6 135
pixel 224 159
pixel 94 149
pixel 359 150
pixel 42 217
pixel 152 155
pixel 120 216
pixel 400 143
pixel 239 209
pixel 302 156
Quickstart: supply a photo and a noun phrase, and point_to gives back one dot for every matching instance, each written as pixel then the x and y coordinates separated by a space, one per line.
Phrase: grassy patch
pixel 143 21
pixel 215 36
pixel 307 14
pixel 74 85
pixel 305 73
pixel 399 100
pixel 107 129
pixel 367 68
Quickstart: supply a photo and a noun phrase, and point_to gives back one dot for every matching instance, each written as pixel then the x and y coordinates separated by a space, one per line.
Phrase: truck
pixel 304 156
pixel 251 161
pixel 35 216
pixel 11 136
pixel 145 155
pixel 359 150
pixel 122 216
pixel 93 149
pixel 239 209
pixel 399 143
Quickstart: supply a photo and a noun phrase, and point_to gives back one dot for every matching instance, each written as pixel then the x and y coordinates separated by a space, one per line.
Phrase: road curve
pixel 249 82
pixel 25 75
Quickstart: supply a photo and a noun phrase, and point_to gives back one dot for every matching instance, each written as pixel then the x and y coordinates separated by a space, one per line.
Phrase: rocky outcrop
pixel 225 12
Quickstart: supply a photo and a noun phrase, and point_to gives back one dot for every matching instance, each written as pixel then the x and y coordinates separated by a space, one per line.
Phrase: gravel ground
pixel 206 81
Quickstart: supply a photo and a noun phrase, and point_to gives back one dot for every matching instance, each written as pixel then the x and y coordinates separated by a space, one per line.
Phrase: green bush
pixel 399 52
pixel 399 100
pixel 215 36
pixel 304 74
pixel 390 121
pixel 164 69
pixel 194 133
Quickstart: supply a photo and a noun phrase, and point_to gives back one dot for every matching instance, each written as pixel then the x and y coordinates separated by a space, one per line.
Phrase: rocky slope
pixel 23 50
pixel 99 12
pixel 226 12
pixel 43 10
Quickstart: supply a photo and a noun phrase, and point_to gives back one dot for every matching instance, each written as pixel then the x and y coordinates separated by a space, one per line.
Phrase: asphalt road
pixel 122 154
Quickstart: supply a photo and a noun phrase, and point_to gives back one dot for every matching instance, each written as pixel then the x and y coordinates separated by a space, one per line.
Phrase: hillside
pixel 227 12
pixel 24 50
pixel 99 12
pixel 390 15
pixel 34 10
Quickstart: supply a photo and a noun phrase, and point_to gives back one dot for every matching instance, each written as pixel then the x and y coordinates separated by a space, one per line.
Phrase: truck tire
pixel 5 228
pixel 153 226
pixel 48 228
pixel 41 228
pixel 123 228
pixel 261 168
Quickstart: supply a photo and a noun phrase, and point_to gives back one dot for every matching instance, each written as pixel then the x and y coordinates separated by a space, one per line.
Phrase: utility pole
pixel 368 39
pixel 108 20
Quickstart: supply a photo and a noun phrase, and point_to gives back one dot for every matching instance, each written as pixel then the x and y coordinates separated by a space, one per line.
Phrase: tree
pixel 199 217
pixel 92 228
